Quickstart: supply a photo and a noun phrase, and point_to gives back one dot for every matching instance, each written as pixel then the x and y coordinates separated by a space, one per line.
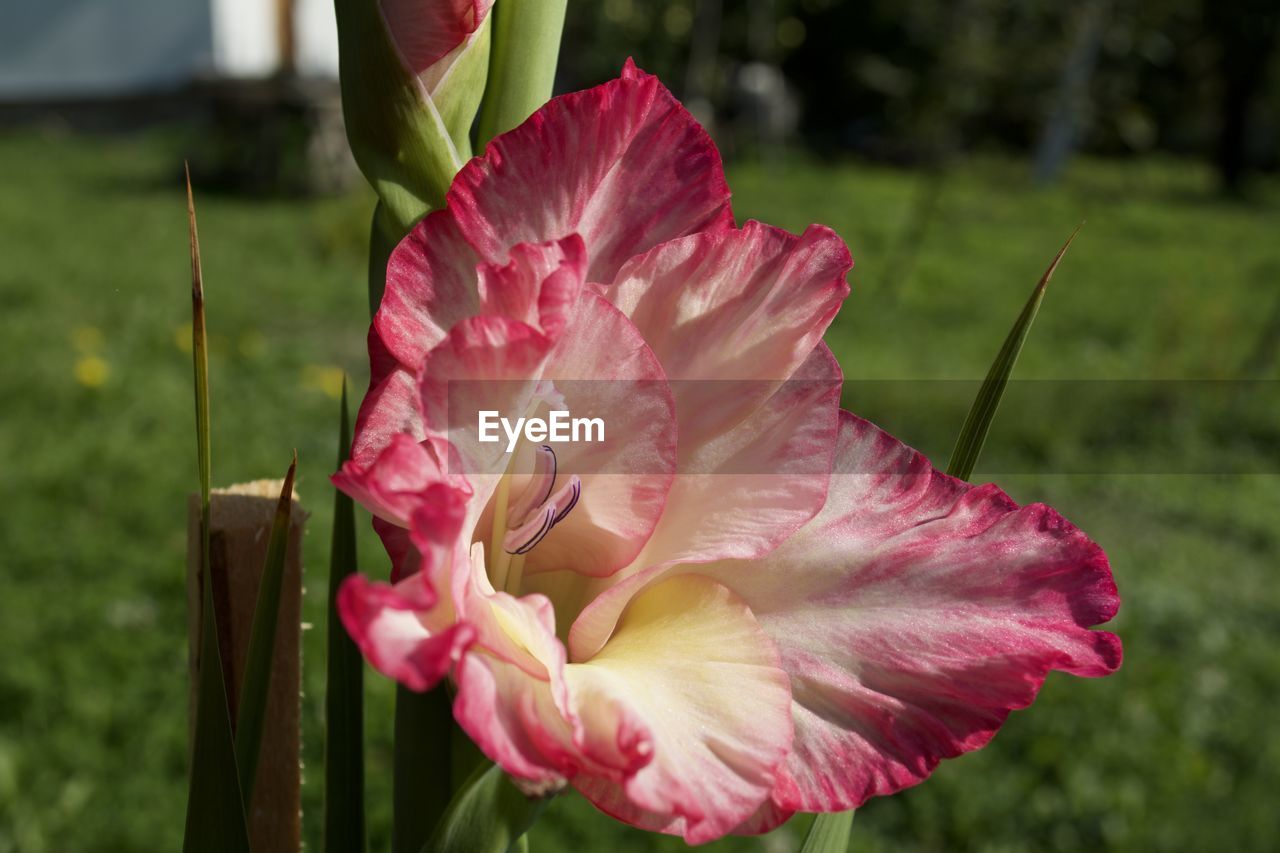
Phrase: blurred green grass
pixel 1176 752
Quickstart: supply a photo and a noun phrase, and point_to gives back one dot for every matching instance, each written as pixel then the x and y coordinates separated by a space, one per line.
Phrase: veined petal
pixel 767 818
pixel 912 615
pixel 391 407
pixel 623 164
pixel 513 698
pixel 603 143
pixel 748 491
pixel 431 286
pixel 689 664
pixel 740 493
pixel 732 314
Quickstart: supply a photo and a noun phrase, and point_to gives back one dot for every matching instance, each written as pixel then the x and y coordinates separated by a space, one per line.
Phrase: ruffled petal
pixel 753 485
pixel 732 314
pixel 767 818
pixel 385 623
pixel 391 486
pixel 513 717
pixel 538 287
pixel 746 493
pixel 913 614
pixel 603 142
pixel 520 631
pixel 511 696
pixel 690 679
pixel 623 164
pixel 431 286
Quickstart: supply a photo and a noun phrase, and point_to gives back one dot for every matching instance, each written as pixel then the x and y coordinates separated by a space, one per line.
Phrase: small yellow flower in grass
pixel 91 371
pixel 324 378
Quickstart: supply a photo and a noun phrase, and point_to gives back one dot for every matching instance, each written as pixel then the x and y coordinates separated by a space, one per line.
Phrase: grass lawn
pixel 1178 751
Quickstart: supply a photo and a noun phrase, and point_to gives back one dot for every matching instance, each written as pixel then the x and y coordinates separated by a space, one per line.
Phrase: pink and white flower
pixel 747 602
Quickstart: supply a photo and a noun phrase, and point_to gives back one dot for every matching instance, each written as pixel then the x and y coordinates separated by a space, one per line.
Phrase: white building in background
pixel 52 49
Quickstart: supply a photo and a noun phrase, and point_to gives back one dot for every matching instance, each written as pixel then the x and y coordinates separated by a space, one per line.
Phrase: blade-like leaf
pixel 215 809
pixel 829 833
pixel 983 411
pixel 423 765
pixel 200 361
pixel 487 815
pixel 259 661
pixel 522 63
pixel 344 691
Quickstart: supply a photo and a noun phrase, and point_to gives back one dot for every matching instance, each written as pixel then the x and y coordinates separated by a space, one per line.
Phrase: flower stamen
pixel 519 524
pixel 523 538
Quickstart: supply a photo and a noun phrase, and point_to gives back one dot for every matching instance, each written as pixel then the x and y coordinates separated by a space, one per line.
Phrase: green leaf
pixel 458 99
pixel 829 833
pixel 215 809
pixel 200 362
pixel 260 658
pixel 422 765
pixel 522 63
pixel 983 411
pixel 487 815
pixel 344 691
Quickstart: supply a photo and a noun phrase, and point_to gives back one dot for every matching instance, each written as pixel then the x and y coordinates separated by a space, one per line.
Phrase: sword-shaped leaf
pixel 256 689
pixel 215 809
pixel 344 690
pixel 983 411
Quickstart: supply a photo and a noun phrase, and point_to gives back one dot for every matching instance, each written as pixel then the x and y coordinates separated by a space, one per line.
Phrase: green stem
pixel 422 766
pixel 522 63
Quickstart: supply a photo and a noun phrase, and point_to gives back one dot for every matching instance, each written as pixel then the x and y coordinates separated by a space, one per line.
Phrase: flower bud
pixel 413 73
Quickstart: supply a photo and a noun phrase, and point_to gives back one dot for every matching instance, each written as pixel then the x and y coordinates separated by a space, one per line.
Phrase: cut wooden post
pixel 240 526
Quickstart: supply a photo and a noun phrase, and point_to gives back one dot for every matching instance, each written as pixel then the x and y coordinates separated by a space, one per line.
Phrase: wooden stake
pixel 240 525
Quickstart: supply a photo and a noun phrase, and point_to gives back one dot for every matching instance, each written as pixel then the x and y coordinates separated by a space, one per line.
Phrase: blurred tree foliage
pixel 916 80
